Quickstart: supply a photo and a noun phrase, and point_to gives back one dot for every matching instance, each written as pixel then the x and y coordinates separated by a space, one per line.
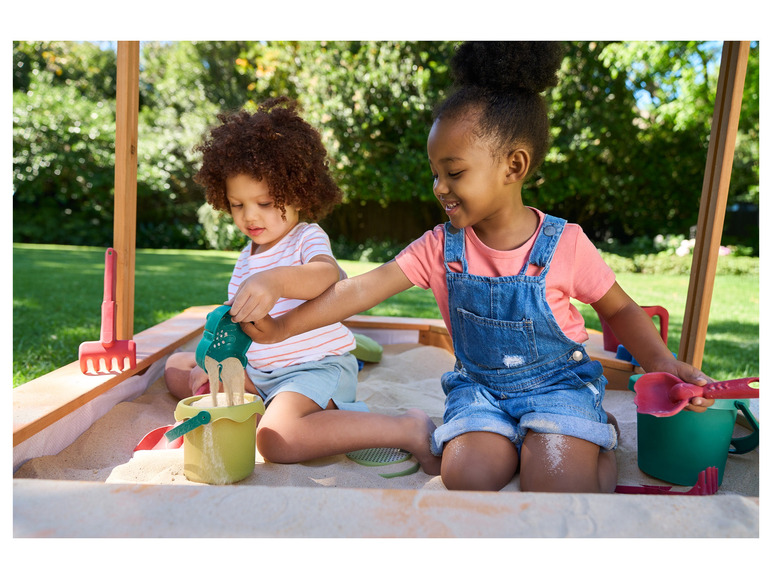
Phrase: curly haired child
pixel 269 170
pixel 524 394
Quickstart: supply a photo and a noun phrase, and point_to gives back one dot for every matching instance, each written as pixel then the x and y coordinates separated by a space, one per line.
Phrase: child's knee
pixel 274 447
pixel 481 461
pixel 180 362
pixel 177 373
pixel 561 463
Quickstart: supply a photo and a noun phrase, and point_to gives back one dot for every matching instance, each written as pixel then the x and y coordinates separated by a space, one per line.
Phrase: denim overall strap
pixel 544 247
pixel 454 247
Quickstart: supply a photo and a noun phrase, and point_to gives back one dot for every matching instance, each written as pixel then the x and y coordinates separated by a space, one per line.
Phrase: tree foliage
pixel 631 126
pixel 63 142
pixel 631 122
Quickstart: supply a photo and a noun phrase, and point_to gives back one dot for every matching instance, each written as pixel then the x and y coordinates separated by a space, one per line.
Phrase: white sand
pixel 206 401
pixel 407 377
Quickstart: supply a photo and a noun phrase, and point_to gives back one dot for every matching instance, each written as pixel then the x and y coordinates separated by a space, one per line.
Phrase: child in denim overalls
pixel 523 394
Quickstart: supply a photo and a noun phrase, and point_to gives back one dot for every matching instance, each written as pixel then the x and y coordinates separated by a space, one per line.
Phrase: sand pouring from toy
pixel 662 394
pixel 108 349
pixel 222 353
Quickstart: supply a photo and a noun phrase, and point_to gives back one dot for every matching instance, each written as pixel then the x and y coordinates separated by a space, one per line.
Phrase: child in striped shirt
pixel 269 171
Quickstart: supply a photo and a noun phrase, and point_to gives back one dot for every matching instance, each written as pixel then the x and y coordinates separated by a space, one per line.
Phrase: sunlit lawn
pixel 57 295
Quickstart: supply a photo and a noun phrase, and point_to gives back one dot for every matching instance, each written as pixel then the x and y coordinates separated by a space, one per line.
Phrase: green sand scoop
pixel 223 338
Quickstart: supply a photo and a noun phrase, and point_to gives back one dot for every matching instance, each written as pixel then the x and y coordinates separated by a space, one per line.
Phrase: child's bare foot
pixel 423 426
pixel 613 422
pixel 607 462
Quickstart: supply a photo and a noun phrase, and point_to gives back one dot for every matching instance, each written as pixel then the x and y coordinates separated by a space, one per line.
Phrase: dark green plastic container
pixel 677 448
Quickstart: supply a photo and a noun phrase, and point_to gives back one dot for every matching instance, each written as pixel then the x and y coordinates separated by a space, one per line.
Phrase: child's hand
pixel 692 375
pixel 255 297
pixel 267 330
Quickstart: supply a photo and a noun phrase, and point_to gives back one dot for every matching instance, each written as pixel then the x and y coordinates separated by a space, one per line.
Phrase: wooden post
pixel 715 187
pixel 125 217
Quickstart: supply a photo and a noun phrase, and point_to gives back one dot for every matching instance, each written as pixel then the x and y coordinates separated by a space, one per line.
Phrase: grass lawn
pixel 57 297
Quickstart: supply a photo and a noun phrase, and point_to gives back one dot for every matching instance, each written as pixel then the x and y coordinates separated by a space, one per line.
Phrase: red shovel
pixel 112 352
pixel 663 394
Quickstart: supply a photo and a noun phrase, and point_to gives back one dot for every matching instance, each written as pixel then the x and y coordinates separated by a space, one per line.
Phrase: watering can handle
pixel 664 318
pixel 745 444
pixel 199 419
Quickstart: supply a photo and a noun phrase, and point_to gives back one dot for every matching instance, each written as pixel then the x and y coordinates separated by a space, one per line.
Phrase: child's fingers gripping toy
pixel 222 354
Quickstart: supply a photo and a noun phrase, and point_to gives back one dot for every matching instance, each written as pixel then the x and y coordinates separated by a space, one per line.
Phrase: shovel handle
pixel 728 389
pixel 739 388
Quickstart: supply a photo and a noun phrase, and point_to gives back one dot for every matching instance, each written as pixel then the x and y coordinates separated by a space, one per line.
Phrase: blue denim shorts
pixel 558 409
pixel 331 378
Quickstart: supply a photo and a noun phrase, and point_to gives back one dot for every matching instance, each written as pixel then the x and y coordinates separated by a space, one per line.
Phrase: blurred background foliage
pixel 630 124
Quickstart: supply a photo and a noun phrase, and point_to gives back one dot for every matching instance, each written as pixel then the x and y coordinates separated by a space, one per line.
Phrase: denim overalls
pixel 515 368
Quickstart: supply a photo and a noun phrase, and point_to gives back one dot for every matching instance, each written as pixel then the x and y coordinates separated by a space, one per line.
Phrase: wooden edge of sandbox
pixel 41 402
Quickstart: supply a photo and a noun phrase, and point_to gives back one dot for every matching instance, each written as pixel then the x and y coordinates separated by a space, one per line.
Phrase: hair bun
pixel 507 66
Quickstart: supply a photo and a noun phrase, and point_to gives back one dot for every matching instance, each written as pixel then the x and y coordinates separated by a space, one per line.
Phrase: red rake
pixel 707 484
pixel 108 355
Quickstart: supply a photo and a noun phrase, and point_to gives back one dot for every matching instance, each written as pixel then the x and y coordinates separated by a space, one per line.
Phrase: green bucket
pixel 223 450
pixel 677 448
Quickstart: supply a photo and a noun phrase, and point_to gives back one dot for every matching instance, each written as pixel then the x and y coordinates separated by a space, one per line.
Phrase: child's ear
pixel 518 163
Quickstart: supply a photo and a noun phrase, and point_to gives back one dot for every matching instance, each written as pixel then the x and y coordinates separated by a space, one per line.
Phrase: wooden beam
pixel 125 217
pixel 715 187
pixel 41 402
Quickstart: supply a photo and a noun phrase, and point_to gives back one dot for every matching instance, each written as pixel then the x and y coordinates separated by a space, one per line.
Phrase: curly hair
pixel 276 144
pixel 501 83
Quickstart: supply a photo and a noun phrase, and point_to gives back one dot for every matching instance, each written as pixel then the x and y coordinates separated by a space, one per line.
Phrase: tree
pixel 630 122
pixel 371 100
pixel 631 127
pixel 63 143
pixel 176 107
pixel 372 103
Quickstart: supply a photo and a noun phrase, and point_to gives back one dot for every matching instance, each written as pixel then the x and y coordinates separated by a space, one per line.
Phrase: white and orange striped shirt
pixel 305 241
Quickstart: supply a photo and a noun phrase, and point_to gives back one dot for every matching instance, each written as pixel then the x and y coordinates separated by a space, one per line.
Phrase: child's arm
pixel 342 300
pixel 258 293
pixel 634 328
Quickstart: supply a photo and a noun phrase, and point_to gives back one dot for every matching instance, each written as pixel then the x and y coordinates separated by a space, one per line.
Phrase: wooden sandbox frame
pixel 51 508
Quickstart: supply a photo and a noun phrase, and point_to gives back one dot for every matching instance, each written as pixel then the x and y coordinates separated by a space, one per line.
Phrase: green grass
pixel 57 296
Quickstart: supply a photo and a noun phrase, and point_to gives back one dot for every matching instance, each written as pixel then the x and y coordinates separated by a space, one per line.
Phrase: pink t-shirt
pixel 577 271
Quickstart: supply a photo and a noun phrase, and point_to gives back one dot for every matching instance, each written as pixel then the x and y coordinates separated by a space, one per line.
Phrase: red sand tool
pixel 707 484
pixel 663 394
pixel 114 353
pixel 155 439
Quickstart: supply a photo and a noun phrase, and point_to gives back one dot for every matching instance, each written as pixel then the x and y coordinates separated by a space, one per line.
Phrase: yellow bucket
pixel 222 451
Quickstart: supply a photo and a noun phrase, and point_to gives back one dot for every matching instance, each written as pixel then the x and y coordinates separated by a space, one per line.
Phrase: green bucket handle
pixel 199 419
pixel 745 443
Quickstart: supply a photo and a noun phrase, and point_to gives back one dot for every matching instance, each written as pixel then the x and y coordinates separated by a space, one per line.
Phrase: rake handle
pixel 107 333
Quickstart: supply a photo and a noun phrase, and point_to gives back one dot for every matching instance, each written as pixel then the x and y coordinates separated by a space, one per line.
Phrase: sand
pixel 407 377
pixel 206 402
